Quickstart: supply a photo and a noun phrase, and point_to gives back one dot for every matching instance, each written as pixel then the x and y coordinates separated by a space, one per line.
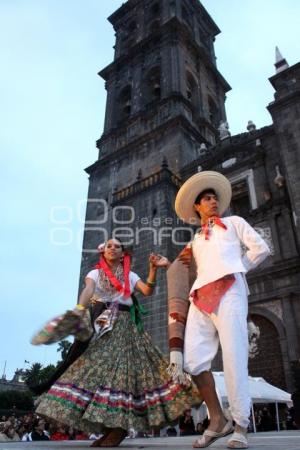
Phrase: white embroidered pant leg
pixel 231 322
pixel 201 342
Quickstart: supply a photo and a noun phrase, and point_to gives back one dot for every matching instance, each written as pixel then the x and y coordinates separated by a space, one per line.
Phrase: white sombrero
pixel 199 182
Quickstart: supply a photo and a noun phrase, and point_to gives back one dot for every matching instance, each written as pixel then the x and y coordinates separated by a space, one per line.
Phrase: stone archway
pixel 268 363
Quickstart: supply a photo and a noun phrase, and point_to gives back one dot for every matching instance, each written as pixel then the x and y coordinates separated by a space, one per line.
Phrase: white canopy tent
pixel 260 392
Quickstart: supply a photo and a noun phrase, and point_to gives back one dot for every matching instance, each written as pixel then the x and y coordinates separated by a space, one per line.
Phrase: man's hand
pixel 185 256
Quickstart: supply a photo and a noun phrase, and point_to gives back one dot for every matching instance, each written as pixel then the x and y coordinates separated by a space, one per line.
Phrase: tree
pixel 33 374
pixel 47 372
pixel 11 400
pixel 63 347
pixel 37 374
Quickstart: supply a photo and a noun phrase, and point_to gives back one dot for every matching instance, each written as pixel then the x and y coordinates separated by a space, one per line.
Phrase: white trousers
pixel 227 324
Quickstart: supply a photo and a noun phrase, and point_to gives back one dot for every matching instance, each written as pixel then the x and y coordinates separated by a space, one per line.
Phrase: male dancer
pixel 218 306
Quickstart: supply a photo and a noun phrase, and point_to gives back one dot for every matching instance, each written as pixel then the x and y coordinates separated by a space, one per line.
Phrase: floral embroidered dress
pixel 120 380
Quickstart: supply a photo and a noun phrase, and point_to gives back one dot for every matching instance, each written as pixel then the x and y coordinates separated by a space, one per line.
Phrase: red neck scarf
pixel 102 264
pixel 207 226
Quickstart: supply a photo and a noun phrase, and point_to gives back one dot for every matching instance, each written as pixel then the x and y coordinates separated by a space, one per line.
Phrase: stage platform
pixel 284 440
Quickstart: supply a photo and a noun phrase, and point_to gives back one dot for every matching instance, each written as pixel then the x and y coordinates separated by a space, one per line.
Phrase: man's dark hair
pixel 202 194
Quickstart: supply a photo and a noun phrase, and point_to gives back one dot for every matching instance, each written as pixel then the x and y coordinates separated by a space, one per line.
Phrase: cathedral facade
pixel 165 120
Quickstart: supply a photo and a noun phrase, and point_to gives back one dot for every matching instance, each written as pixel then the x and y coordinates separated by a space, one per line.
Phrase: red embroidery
pixel 178 317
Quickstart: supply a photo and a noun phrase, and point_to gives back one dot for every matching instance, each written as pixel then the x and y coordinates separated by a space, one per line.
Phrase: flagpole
pixel 25 362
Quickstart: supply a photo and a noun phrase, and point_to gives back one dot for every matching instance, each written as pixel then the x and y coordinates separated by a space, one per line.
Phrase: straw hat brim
pixel 199 182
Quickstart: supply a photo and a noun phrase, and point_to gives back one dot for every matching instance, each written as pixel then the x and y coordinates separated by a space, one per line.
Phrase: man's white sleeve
pixel 257 248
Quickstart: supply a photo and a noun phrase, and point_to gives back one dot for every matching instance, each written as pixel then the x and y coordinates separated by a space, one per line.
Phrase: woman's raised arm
pixel 86 294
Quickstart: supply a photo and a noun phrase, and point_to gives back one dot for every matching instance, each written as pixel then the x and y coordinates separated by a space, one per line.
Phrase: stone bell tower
pixel 285 111
pixel 165 97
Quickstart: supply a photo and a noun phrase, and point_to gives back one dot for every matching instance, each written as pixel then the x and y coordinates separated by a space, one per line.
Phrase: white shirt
pixel 222 254
pixel 117 297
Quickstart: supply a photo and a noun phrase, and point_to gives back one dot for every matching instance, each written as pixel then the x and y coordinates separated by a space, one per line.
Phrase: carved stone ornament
pixel 274 307
pixel 253 336
pixel 224 130
pixel 266 234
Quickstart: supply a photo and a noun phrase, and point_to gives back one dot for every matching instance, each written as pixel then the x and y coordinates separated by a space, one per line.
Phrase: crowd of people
pixel 31 427
pixel 265 419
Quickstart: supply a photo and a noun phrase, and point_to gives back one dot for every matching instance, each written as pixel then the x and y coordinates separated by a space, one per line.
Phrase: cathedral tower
pixel 165 97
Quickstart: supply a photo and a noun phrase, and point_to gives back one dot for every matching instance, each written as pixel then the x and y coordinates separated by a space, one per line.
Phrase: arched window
pixel 268 363
pixel 213 111
pixel 152 86
pixel 191 89
pixel 129 35
pixel 240 203
pixel 153 18
pixel 124 103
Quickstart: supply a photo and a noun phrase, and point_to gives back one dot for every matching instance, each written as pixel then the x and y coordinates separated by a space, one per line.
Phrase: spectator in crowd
pixel 201 426
pixel 267 422
pixel 290 419
pixel 8 432
pixel 171 432
pixel 23 431
pixel 94 436
pixel 31 427
pixel 60 434
pixel 132 433
pixel 186 423
pixel 71 433
pixel 38 432
pixel 250 426
pixel 80 436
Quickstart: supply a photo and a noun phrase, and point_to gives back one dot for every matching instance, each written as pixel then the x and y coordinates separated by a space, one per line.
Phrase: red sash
pixel 208 297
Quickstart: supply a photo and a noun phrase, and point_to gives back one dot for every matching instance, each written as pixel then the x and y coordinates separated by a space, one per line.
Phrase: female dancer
pixel 120 381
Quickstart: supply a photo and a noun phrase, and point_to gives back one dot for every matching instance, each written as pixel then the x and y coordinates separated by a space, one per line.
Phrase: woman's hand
pixel 85 296
pixel 157 260
pixel 79 312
